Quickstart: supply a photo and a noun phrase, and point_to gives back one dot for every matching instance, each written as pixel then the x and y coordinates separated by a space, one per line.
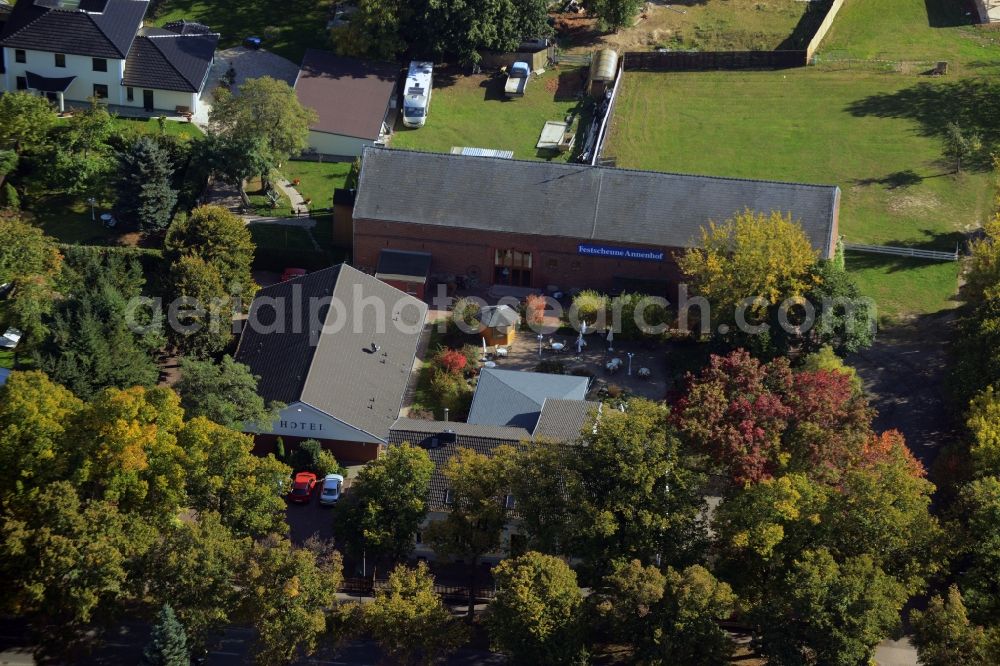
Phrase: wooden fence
pixel 917 253
pixel 675 61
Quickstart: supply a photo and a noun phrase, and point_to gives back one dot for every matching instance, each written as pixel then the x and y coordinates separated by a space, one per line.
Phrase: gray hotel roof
pixel 340 375
pixel 513 398
pixel 576 201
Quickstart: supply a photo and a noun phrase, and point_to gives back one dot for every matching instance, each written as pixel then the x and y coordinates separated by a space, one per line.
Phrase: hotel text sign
pixel 299 425
pixel 612 252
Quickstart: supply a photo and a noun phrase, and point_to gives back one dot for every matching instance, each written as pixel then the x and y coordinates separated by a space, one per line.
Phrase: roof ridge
pixel 605 169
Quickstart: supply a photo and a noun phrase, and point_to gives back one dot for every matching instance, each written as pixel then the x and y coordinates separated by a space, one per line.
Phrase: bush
pixel 466 310
pixel 551 367
pixel 627 304
pixel 8 162
pixel 312 457
pixel 279 449
pixel 451 361
pixel 589 305
pixel 449 391
pixel 9 197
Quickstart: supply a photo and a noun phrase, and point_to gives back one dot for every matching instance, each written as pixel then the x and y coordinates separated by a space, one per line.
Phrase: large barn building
pixel 534 224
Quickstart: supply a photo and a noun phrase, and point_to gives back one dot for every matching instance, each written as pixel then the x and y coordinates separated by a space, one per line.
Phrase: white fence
pixel 934 255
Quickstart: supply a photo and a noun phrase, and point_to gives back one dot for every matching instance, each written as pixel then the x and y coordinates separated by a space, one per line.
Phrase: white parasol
pixel 611 339
pixel 484 348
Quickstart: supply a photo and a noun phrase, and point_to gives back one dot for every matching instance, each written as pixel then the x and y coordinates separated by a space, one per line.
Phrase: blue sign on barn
pixel 612 252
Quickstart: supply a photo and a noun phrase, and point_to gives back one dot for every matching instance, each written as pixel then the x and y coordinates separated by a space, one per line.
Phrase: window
pixel 22 83
pixel 100 65
pixel 60 60
pixel 20 55
pixel 419 538
pixel 130 94
pixel 508 502
pixel 552 263
pixel 448 499
pixel 100 91
pixel 512 267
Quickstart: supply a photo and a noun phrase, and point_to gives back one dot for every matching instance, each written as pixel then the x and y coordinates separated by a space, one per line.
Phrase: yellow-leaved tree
pixel 751 255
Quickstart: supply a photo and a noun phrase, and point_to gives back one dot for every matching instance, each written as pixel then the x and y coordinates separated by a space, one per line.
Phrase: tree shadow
pixel 570 84
pixel 932 240
pixel 949 14
pixel 807 26
pixel 970 103
pixel 895 180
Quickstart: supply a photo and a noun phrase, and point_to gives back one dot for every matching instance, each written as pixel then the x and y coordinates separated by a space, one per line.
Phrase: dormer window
pixel 448 499
pixel 100 65
pixel 60 60
pixel 20 55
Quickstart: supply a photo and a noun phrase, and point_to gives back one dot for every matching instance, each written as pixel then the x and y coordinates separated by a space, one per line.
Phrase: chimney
pixel 445 413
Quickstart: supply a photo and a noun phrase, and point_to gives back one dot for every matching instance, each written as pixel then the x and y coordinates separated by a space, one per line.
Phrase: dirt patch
pixel 913 203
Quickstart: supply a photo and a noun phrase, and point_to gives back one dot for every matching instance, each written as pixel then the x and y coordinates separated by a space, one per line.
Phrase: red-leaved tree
pixel 451 360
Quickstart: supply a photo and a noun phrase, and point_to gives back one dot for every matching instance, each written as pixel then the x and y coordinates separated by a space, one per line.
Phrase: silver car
pixel 333 485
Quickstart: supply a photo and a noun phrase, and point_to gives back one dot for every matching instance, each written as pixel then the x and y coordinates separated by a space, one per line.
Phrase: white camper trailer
pixel 417 94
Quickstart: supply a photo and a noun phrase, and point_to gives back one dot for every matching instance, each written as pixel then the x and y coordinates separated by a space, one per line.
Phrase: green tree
pixel 944 636
pixel 144 193
pixel 223 475
pixel 476 516
pixel 637 499
pixel 9 198
pixel 983 422
pixel 91 343
pixel 203 324
pixel 235 158
pixel 386 505
pixel 845 318
pixel 667 618
pixel 25 121
pixel 168 643
pixel 224 392
pixel 546 485
pixel 81 160
pixel 409 621
pixel 221 239
pixel 979 508
pixel 265 109
pixel 535 617
pixel 288 592
pixel 829 612
pixel 613 15
pixel 195 566
pixel 8 162
pixel 960 144
pixel 31 262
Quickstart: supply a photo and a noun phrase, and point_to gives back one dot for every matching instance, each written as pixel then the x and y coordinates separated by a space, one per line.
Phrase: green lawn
pixel 874 135
pixel 318 179
pixel 470 111
pixel 902 286
pixel 288 28
pixel 912 30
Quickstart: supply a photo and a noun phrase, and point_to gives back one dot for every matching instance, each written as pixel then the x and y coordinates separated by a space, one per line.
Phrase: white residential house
pixel 73 50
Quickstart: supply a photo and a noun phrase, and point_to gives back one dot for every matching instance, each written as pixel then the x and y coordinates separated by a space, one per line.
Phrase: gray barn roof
pixel 335 371
pixel 576 201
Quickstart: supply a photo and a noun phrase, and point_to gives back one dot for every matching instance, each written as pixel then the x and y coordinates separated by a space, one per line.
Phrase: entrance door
pixel 147 100
pixel 52 97
pixel 512 267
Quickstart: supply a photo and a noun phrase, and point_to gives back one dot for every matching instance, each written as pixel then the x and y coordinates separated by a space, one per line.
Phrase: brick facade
pixel 344 452
pixel 555 260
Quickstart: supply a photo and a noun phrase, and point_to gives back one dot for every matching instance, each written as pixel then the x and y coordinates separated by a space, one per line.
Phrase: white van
pixel 417 93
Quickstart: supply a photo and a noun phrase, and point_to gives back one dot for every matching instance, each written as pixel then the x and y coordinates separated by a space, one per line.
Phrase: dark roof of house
pixel 350 96
pixel 576 201
pixel 97 28
pixel 48 83
pixel 401 264
pixel 484 439
pixel 562 420
pixel 168 60
pixel 512 398
pixel 335 370
pixel 498 316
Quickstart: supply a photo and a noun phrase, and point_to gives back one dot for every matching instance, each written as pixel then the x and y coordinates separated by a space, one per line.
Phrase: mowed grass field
pixel 287 28
pixel 471 111
pixel 875 135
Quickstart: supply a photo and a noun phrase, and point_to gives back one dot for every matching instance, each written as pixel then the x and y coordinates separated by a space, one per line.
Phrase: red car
pixel 302 487
pixel 291 273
